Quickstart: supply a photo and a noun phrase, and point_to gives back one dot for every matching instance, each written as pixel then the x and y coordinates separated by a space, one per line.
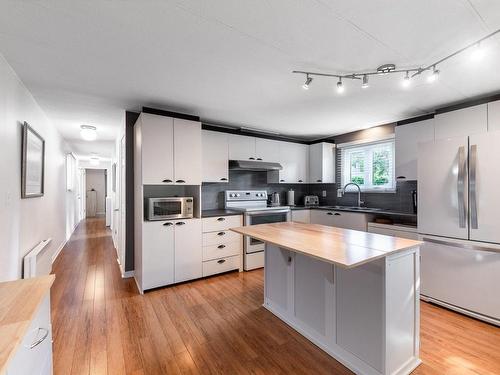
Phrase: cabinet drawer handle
pixel 180 182
pixel 223 179
pixel 167 180
pixel 221 233
pixel 221 219
pixel 400 177
pixel 180 223
pixel 336 214
pixel 329 213
pixel 168 224
pixel 221 261
pixel 41 339
pixel 319 180
pixel 259 158
pixel 251 158
pixel 301 181
pixel 221 246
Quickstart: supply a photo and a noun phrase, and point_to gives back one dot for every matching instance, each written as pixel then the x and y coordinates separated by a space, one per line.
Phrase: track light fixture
pixel 308 81
pixel 476 54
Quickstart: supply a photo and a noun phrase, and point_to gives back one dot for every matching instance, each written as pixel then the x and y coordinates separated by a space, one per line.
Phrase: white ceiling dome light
pixel 88 132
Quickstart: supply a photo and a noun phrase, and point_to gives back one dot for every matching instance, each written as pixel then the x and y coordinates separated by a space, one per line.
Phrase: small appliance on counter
pixel 274 200
pixel 169 208
pixel 311 200
pixel 290 198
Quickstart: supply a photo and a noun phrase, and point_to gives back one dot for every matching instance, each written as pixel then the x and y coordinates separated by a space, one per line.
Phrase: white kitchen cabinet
pixel 241 147
pixel 407 139
pixel 341 219
pixel 322 163
pixel 301 216
pixel 267 150
pixel 156 137
pixel 188 250
pixel 462 122
pixel 494 116
pixel 294 158
pixel 187 152
pixel 158 254
pixel 215 156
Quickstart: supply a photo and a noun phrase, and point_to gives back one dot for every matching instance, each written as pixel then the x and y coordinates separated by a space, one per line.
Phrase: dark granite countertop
pixel 219 212
pixel 365 210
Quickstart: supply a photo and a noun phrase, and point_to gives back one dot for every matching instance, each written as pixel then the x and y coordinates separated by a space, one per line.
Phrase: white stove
pixel 253 204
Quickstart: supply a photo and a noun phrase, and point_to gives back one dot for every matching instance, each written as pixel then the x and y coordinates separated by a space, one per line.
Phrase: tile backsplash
pixel 213 193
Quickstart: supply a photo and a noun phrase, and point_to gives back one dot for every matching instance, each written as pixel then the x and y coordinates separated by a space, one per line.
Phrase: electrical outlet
pixel 324 193
pixel 339 193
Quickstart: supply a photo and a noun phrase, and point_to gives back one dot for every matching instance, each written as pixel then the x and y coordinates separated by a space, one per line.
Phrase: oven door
pixel 253 245
pixel 164 209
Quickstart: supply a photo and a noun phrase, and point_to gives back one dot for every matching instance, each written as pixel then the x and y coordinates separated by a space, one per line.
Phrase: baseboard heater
pixel 32 267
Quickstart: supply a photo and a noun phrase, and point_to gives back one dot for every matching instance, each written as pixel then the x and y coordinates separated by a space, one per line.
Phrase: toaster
pixel 311 200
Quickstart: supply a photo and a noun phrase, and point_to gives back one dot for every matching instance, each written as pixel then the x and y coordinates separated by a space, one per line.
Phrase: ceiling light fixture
pixel 88 132
pixel 406 80
pixel 340 86
pixel 434 75
pixel 305 86
pixel 365 84
pixel 388 69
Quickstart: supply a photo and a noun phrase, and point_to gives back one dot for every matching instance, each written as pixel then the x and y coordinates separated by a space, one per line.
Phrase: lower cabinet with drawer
pixel 222 248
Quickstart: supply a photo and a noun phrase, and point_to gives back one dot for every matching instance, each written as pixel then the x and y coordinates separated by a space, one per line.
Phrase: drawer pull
pixel 329 213
pixel 221 246
pixel 221 219
pixel 167 180
pixel 221 261
pixel 180 181
pixel 301 181
pixel 259 158
pixel 168 224
pixel 221 233
pixel 282 180
pixel 336 214
pixel 251 158
pixel 37 342
pixel 223 179
pixel 180 223
pixel 319 180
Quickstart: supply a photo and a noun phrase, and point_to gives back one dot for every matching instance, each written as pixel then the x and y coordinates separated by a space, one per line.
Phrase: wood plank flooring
pixel 101 325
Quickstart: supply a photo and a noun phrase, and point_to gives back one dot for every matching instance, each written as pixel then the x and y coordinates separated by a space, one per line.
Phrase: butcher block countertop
pixel 19 302
pixel 343 247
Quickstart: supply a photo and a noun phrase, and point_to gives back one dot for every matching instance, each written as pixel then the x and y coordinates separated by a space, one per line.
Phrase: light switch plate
pixel 339 193
pixel 324 194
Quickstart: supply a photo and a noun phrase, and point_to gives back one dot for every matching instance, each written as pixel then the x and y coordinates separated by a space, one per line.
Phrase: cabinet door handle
pixel 329 213
pixel 41 339
pixel 400 177
pixel 251 158
pixel 221 219
pixel 180 182
pixel 319 180
pixel 221 261
pixel 221 233
pixel 167 180
pixel 259 158
pixel 301 181
pixel 180 223
pixel 289 260
pixel 221 246
pixel 168 224
pixel 282 180
pixel 336 214
pixel 223 179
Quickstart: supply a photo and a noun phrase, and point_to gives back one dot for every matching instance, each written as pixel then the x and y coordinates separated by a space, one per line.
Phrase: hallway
pixel 101 325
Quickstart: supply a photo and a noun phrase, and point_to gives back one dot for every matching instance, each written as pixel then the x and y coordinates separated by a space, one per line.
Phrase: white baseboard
pixel 59 249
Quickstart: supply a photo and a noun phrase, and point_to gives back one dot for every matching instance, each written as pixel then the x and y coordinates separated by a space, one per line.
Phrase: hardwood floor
pixel 101 325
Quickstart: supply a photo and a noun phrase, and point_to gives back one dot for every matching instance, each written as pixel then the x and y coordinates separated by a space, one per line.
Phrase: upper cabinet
pixel 241 147
pixel 294 158
pixel 215 156
pixel 462 122
pixel 267 150
pixel 168 150
pixel 407 139
pixel 494 116
pixel 322 163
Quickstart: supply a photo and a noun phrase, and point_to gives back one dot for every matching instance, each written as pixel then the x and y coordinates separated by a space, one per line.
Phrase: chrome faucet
pixel 360 202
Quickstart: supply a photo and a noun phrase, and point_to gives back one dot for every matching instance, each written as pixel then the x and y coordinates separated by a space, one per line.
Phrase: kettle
pixel 275 199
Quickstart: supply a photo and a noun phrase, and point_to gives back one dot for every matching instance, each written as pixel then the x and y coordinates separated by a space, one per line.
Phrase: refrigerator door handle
pixel 472 187
pixel 461 187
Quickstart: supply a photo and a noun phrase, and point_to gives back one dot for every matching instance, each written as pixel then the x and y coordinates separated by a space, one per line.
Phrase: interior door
pixel 484 179
pixel 443 188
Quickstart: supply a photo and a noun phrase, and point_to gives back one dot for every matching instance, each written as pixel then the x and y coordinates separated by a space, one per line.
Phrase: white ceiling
pixel 230 62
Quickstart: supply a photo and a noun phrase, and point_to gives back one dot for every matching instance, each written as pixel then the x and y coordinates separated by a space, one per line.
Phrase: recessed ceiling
pixel 230 62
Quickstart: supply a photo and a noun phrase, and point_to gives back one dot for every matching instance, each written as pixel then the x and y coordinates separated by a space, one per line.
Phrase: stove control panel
pixel 245 195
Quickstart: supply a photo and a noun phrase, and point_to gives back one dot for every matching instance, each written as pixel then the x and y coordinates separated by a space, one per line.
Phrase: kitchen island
pixel 352 293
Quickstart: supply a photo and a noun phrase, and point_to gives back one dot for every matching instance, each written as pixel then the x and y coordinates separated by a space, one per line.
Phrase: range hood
pixel 253 165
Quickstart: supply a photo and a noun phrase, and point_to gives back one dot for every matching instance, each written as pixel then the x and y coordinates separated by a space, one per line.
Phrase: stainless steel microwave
pixel 169 208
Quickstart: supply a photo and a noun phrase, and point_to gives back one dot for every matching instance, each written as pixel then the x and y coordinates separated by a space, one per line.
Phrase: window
pixel 371 166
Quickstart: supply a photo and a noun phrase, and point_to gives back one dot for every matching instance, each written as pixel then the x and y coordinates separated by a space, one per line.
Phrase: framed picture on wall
pixel 32 163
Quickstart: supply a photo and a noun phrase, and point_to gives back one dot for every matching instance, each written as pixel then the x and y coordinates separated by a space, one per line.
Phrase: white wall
pixel 95 179
pixel 25 222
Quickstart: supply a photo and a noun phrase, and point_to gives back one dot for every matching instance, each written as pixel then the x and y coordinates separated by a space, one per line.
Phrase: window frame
pixel 367 147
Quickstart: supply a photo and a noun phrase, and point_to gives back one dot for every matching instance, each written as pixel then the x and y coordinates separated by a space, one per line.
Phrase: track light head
pixel 306 84
pixel 365 84
pixel 434 75
pixel 340 86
